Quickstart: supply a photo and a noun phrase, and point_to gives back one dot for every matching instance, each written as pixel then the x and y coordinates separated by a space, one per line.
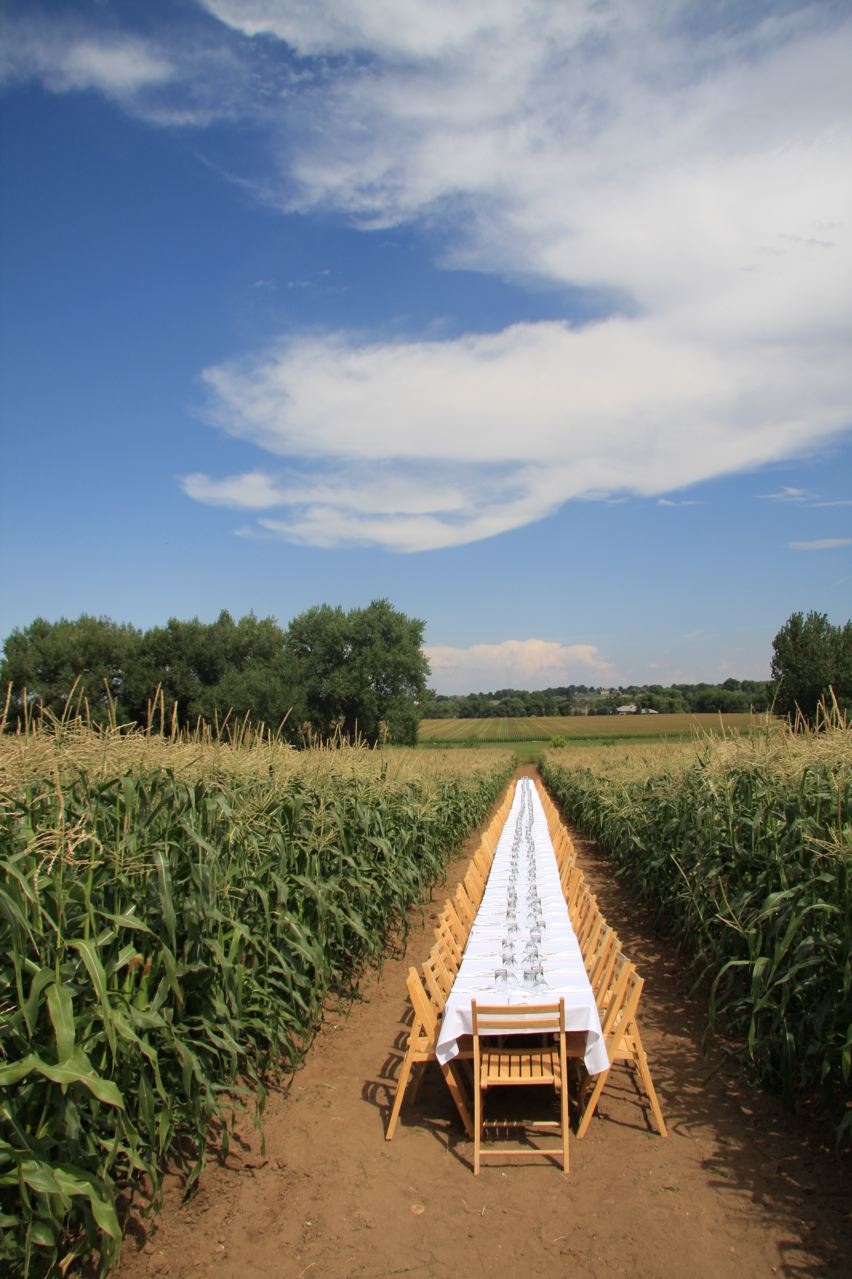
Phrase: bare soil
pixel 739 1187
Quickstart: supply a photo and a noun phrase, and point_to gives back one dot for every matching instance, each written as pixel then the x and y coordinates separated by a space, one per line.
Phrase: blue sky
pixel 532 318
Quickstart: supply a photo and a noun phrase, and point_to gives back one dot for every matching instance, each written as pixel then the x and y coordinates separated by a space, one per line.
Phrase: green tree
pixel 90 657
pixel 206 669
pixel 810 656
pixel 358 673
pixel 250 672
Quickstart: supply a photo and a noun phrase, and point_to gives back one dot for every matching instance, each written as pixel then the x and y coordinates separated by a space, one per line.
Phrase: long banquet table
pixel 524 862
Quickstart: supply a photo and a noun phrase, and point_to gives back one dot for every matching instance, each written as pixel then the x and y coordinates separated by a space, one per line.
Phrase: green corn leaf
pixel 126 920
pixel 43 1234
pixel 42 979
pixel 15 1071
pixel 95 969
pixel 75 1069
pixel 60 1006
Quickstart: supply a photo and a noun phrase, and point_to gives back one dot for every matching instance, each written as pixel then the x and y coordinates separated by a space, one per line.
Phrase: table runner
pixel 524 861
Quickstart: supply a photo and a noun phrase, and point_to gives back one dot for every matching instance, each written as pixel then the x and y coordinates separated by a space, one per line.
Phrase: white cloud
pixel 700 178
pixel 667 501
pixel 530 664
pixel 420 445
pixel 64 60
pixel 690 163
pixel 396 28
pixel 787 494
pixel 821 544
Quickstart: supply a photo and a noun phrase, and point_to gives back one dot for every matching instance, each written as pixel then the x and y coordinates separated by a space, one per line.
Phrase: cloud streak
pixel 821 544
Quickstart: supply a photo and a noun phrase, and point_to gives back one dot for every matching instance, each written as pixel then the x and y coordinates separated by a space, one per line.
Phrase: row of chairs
pixel 523 1046
pixel 429 986
pixel 614 980
pixel 616 985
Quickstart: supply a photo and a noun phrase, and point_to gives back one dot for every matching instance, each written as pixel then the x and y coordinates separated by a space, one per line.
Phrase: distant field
pixel 540 728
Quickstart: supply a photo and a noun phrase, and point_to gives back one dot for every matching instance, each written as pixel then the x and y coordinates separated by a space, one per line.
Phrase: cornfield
pixel 173 914
pixel 742 847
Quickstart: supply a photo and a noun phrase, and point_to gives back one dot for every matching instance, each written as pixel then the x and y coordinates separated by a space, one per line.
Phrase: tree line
pixel 330 673
pixel 583 699
pixel 811 665
pixel 358 673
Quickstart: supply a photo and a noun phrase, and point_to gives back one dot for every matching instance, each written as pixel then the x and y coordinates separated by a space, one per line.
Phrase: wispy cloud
pixel 601 145
pixel 514 423
pixel 821 544
pixel 695 173
pixel 787 494
pixel 667 501
pixel 66 57
pixel 530 663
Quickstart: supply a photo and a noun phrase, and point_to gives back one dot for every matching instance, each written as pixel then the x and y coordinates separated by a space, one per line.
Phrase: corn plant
pixel 742 847
pixel 173 915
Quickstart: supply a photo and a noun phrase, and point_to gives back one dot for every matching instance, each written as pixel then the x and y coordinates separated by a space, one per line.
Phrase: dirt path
pixel 739 1188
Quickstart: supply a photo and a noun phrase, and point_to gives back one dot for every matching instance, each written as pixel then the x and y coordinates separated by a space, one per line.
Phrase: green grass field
pixel 541 728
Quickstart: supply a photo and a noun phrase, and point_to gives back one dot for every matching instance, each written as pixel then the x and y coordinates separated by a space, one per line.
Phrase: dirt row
pixel 739 1186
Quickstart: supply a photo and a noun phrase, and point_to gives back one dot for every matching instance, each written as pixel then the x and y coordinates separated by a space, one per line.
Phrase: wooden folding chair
pixel 602 964
pixel 422 1039
pixel 573 887
pixel 591 937
pixel 482 862
pixel 563 848
pixel 497 1065
pixel 458 927
pixel 474 885
pixel 448 946
pixel 439 978
pixel 465 908
pixel 588 914
pixel 623 1043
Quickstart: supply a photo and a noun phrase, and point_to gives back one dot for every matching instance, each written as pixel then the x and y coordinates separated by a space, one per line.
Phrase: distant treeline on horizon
pixel 581 699
pixel 356 674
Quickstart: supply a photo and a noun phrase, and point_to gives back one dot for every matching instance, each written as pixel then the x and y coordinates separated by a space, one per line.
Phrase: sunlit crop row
pixel 743 848
pixel 172 916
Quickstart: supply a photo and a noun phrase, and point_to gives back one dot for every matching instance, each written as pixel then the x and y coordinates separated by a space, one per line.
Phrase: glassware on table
pixel 501 978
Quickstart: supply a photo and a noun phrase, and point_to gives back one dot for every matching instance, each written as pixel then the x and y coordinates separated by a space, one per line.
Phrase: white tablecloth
pixel 564 974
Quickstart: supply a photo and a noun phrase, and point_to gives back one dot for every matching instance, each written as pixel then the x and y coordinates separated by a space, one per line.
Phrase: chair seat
pixel 519 1066
pixel 533 1064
